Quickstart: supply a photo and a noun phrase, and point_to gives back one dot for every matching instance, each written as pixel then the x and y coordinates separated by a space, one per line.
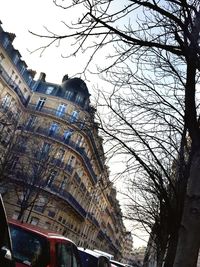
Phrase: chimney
pixel 11 36
pixel 42 76
pixel 65 78
pixel 32 72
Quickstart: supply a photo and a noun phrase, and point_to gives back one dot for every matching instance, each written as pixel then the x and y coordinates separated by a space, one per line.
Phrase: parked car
pixel 117 264
pixel 108 255
pixel 90 258
pixel 6 259
pixel 120 264
pixel 36 247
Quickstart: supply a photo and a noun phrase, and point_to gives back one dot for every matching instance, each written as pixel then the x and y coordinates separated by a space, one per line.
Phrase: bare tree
pixel 33 173
pixel 164 35
pixel 10 131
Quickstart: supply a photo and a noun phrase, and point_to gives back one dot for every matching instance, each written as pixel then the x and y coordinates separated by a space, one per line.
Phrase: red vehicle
pixel 6 258
pixel 36 247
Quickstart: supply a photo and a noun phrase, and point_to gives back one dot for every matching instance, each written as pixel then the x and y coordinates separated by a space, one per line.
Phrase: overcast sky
pixel 21 16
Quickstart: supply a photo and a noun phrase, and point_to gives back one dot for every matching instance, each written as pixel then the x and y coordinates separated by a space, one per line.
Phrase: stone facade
pixel 56 130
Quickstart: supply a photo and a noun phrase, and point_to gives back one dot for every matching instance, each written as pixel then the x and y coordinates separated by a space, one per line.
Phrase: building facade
pixel 57 177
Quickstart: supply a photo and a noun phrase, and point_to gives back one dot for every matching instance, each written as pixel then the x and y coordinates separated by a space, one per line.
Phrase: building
pixel 56 177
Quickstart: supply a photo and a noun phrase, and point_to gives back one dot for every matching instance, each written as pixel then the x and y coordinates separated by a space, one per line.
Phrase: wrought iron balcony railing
pixel 73 145
pixel 13 85
pixel 78 123
pixel 70 199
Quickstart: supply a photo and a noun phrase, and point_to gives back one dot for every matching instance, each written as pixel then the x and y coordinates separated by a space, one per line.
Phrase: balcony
pixel 21 67
pixel 18 178
pixel 10 115
pixel 56 113
pixel 57 162
pixel 69 168
pixel 70 199
pixel 13 86
pixel 71 144
pixel 93 219
pixel 66 117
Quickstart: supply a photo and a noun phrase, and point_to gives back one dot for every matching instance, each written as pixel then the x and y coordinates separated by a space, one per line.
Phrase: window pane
pixel 64 254
pixel 29 248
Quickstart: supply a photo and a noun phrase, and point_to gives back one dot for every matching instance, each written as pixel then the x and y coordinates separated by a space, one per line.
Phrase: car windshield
pixel 29 248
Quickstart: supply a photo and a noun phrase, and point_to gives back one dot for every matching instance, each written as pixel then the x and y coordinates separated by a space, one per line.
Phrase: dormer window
pixel 30 79
pixel 16 59
pixel 22 69
pixel 49 90
pixel 5 42
pixel 79 99
pixel 69 95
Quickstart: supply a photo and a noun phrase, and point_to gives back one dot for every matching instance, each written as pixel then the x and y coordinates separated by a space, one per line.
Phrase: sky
pixel 22 16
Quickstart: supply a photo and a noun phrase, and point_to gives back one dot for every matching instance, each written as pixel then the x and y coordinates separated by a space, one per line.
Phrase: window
pixel 5 42
pixel 49 90
pixel 79 140
pixel 51 178
pixel 47 225
pixel 34 221
pixel 31 122
pixel 72 161
pixel 60 154
pixel 30 79
pixel 64 254
pixel 60 112
pixel 22 69
pixel 53 129
pixel 22 143
pixel 40 204
pixel 79 172
pixel 67 134
pixel 16 59
pixel 74 116
pixel 63 184
pixel 30 248
pixel 79 99
pixel 51 213
pixel 6 101
pixel 45 149
pixel 69 95
pixel 75 257
pixel 15 215
pixel 40 103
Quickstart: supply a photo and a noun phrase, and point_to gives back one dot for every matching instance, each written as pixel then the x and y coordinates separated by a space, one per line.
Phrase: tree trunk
pixel 160 258
pixel 171 251
pixel 21 215
pixel 189 237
